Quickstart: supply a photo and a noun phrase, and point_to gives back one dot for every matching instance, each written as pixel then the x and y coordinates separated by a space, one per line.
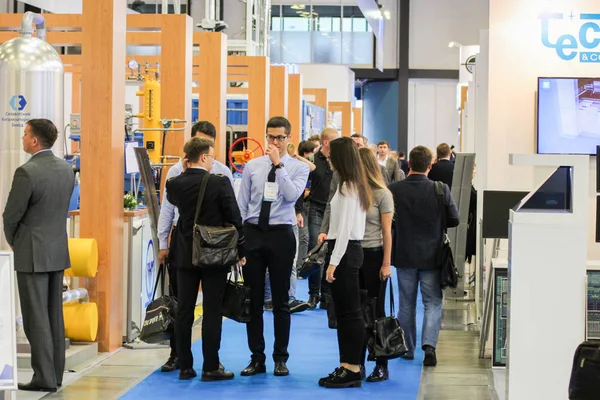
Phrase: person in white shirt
pixel 349 205
pixel 169 215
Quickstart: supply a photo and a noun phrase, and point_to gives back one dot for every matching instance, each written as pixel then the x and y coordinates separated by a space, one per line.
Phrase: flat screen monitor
pixel 568 115
pixel 496 212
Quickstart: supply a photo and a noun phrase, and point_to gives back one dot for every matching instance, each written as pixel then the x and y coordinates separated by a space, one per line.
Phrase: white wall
pixel 337 79
pixel 435 23
pixel 390 34
pixel 515 34
pixel 432 113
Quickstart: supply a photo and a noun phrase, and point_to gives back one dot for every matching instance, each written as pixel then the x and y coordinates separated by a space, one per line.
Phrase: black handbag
pixel 314 260
pixel 444 256
pixel 213 246
pixel 331 315
pixel 236 301
pixel 386 341
pixel 368 306
pixel 584 383
pixel 159 323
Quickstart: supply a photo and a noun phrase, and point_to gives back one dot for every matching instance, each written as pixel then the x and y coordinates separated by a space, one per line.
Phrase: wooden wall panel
pixel 102 109
pixel 212 85
pixel 278 96
pixel 320 97
pixel 295 106
pixel 345 107
pixel 357 112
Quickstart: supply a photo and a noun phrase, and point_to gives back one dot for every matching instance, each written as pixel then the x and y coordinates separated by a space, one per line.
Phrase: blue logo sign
pixel 18 103
pixel 567 45
pixel 149 272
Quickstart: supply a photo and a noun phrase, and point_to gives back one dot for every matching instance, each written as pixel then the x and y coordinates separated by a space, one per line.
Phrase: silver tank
pixel 31 86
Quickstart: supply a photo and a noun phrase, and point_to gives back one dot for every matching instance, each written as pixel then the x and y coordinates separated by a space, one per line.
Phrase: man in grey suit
pixel 35 227
pixel 395 174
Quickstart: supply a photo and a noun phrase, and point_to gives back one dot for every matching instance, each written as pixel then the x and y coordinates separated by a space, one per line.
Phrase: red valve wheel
pixel 245 155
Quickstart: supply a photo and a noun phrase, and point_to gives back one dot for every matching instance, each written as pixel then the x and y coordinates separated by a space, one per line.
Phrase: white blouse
pixel 347 222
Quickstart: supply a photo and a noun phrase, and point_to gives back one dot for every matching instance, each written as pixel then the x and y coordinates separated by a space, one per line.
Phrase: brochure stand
pixel 548 239
pixel 8 340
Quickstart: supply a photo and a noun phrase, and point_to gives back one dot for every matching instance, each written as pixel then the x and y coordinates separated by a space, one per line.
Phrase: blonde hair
pixel 328 134
pixel 291 149
pixel 372 169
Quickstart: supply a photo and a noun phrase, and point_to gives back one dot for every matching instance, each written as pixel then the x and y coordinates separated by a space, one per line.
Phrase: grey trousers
pixel 41 305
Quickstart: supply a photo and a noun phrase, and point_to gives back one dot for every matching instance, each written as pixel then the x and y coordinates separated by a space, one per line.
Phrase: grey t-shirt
pixel 383 202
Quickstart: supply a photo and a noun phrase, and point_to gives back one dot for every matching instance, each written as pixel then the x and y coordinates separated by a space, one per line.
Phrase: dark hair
pixel 382 143
pixel 345 160
pixel 306 147
pixel 44 130
pixel 314 138
pixel 420 159
pixel 204 127
pixel 280 122
pixel 401 154
pixel 197 146
pixel 443 150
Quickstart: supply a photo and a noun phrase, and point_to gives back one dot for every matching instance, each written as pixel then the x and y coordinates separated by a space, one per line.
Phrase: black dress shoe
pixel 312 302
pixel 254 368
pixel 187 374
pixel 325 379
pixel 171 365
pixel 297 306
pixel 379 374
pixel 430 359
pixel 344 378
pixel 281 369
pixel 218 375
pixel 30 387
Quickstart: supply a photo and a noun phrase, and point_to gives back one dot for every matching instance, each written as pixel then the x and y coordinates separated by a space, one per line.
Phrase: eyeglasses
pixel 279 138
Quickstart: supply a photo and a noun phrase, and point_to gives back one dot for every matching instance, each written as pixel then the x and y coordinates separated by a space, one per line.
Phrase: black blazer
pixel 418 222
pixel 218 208
pixel 442 171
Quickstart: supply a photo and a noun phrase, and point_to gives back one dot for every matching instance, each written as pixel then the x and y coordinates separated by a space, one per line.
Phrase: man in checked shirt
pixel 168 220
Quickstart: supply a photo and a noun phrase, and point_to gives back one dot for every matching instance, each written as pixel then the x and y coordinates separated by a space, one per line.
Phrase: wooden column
pixel 295 106
pixel 176 77
pixel 212 85
pixel 258 97
pixel 102 112
pixel 320 96
pixel 357 112
pixel 345 107
pixel 278 102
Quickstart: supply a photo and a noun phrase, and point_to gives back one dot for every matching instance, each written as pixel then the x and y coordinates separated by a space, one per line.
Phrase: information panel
pixel 500 317
pixel 593 305
pixel 8 340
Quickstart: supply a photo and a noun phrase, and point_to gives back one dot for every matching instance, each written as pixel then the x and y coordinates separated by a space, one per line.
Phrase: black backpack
pixel 585 375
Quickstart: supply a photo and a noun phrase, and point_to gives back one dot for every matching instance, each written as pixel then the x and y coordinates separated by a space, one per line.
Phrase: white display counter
pixel 8 340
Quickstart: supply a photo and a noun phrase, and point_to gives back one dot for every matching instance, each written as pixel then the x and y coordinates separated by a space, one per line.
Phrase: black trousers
pixel 345 292
pixel 370 281
pixel 273 249
pixel 214 282
pixel 40 295
pixel 172 269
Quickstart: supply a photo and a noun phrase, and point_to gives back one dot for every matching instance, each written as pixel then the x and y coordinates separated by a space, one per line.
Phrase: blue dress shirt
pixel 169 213
pixel 291 179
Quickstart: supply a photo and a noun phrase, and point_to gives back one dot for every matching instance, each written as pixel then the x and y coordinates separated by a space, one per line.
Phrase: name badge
pixel 271 191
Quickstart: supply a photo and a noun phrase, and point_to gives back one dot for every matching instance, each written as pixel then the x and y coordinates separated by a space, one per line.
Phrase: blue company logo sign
pixel 18 102
pixel 585 36
pixel 149 272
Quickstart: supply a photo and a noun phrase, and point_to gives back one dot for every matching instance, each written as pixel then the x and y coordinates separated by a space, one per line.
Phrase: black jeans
pixel 345 293
pixel 370 281
pixel 172 270
pixel 274 249
pixel 315 218
pixel 214 283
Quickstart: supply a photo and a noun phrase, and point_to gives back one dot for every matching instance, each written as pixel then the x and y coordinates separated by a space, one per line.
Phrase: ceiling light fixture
pixel 387 14
pixel 454 44
pixel 298 7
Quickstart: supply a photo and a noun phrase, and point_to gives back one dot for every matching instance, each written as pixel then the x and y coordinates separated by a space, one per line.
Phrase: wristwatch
pixel 280 165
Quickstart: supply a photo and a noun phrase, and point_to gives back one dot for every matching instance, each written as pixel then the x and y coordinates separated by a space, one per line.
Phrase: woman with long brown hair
pixel 377 247
pixel 346 230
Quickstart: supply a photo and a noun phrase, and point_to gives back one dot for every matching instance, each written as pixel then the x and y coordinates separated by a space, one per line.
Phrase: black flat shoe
pixel 344 378
pixel 325 379
pixel 254 368
pixel 379 374
pixel 30 387
pixel 218 375
pixel 187 374
pixel 281 369
pixel 171 365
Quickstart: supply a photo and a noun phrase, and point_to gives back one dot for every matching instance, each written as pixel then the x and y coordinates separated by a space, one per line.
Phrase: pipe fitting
pixel 30 18
pixel 80 294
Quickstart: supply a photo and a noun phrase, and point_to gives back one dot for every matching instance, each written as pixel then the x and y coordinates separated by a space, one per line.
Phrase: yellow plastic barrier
pixel 84 258
pixel 81 321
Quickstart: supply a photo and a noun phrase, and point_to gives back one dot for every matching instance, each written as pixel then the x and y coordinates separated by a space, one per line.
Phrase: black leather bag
pixel 315 259
pixel 444 257
pixel 159 323
pixel 585 374
pixel 213 246
pixel 368 306
pixel 386 341
pixel 236 301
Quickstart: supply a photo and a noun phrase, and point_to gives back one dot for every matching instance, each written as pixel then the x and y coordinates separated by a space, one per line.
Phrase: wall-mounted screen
pixel 568 115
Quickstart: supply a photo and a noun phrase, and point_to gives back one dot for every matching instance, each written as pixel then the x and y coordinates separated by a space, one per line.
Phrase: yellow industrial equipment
pixel 150 117
pixel 84 258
